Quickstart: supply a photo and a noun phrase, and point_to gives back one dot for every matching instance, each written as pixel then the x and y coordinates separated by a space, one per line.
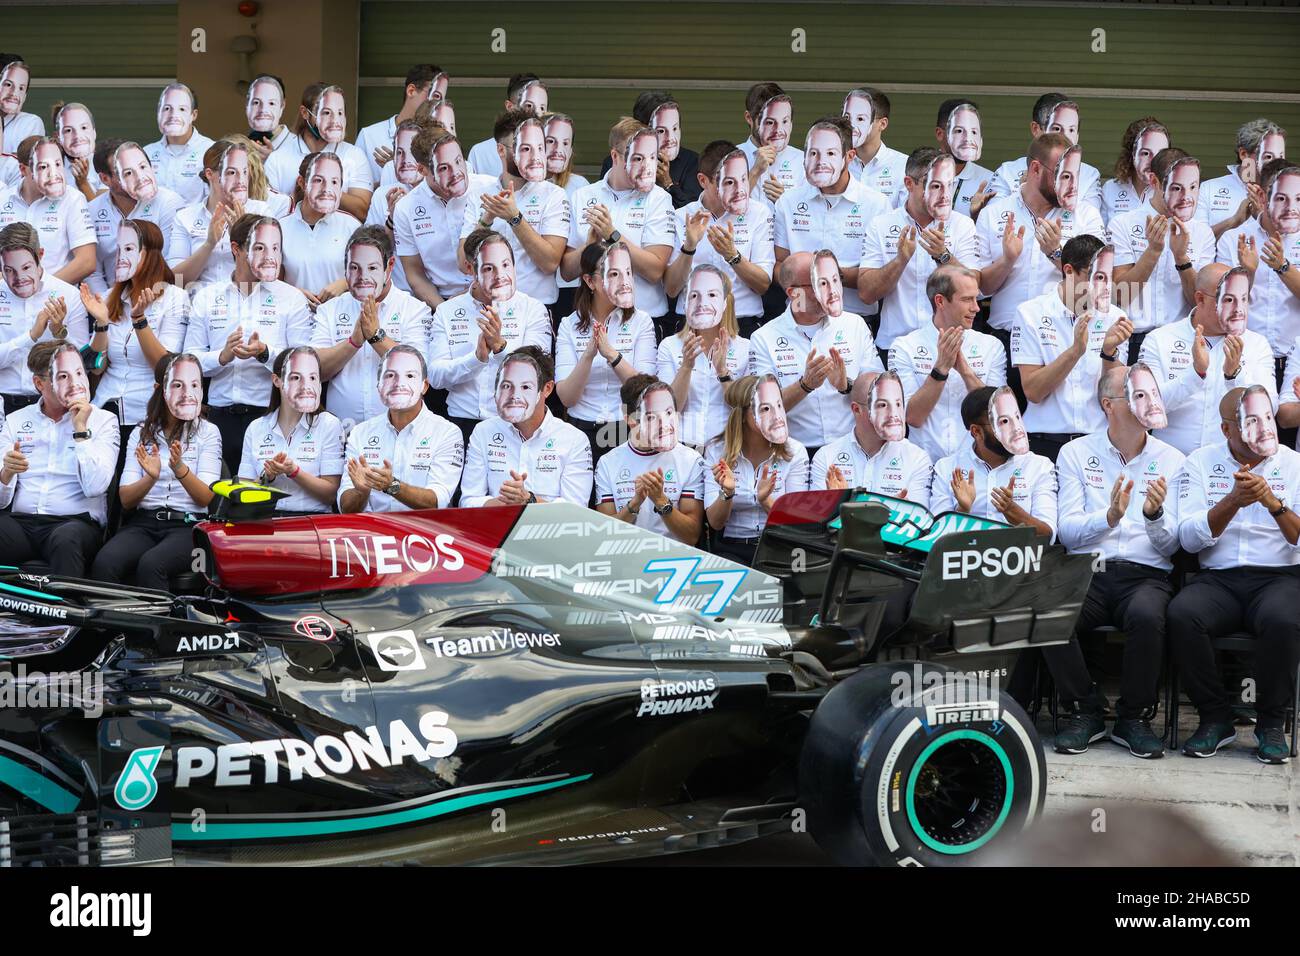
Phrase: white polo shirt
pixel 281 166
pixel 1192 403
pixel 884 173
pixel 1252 538
pixel 753 235
pixel 898 468
pixel 787 169
pixel 128 376
pixel 376 134
pixel 1044 329
pixel 70 177
pixel 913 355
pixel 353 394
pixel 201 454
pixel 189 230
pixel 19 128
pixel 16 319
pixel 1117 198
pixel 635 341
pixel 106 220
pixel 705 413
pixel 546 208
pixel 1274 309
pixel 967 184
pixel 748 518
pixel 647 219
pixel 1010 176
pixel 315 445
pixel 428 453
pixel 618 469
pixel 178 167
pixel 571 188
pixel 64 476
pixel 63 224
pixel 453 337
pixel 1033 273
pixel 557 460
pixel 1286 394
pixel 1162 298
pixel 483 158
pixel 425 226
pixel 781 348
pixel 1034 491
pixel 907 308
pixel 1221 197
pixel 276 311
pixel 377 215
pixel 11 174
pixel 314 256
pixel 807 220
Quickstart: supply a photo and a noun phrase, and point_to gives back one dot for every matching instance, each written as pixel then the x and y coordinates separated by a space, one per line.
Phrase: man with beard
pixel 238 326
pixel 628 205
pixel 1130 186
pixel 133 193
pixel 1062 342
pixel 316 233
pixel 652 480
pixel 1113 499
pixel 523 453
pixel 17 125
pixel 1236 510
pixel 971 481
pixel 472 333
pixel 58 213
pixel 59 457
pixel 34 306
pixel 958 130
pixel 178 155
pixel 264 109
pixel 1199 358
pixel 1160 246
pixel 1052 113
pixel 75 128
pixel 427 220
pixel 424 82
pixel 530 212
pixel 903 246
pixel 405 173
pixel 774 165
pixel 831 210
pixel 723 226
pixel 524 92
pixel 1229 201
pixel 679 167
pixel 874 164
pixel 407 458
pixel 875 455
pixel 353 332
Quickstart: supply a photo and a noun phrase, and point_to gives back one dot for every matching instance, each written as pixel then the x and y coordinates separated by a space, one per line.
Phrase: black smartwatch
pixel 138 324
pixel 939 376
pixel 377 337
pixel 100 328
pixel 734 260
pixel 684 251
pixel 1160 513
pixel 515 219
pixel 614 237
pixel 1109 357
pixel 77 436
pixel 1184 267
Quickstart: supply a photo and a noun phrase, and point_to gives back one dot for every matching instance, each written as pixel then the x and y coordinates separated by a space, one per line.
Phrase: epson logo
pixel 387 554
pixel 209 642
pixel 992 562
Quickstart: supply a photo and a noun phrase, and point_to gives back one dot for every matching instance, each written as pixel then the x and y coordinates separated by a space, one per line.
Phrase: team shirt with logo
pixel 426 226
pixel 201 453
pixel 1221 197
pixel 106 220
pixel 647 219
pixel 1087 469
pixel 884 173
pixel 64 476
pixel 1118 198
pixel 571 188
pixel 128 376
pixel 1161 300
pixel 315 444
pixel 178 167
pixel 189 230
pixel 428 453
pixel 314 256
pixel 16 319
pixel 376 134
pixel 281 166
pixel 753 235
pixel 1274 309
pixel 1010 176
pixel 617 471
pixel 1034 489
pixel 63 224
pixel 635 340
pixel 377 215
pixel 546 208
pixel 18 128
pixel 964 189
pixel 1286 394
pixel 787 170
pixel 557 460
pixel 705 413
pixel 899 469
pixel 748 517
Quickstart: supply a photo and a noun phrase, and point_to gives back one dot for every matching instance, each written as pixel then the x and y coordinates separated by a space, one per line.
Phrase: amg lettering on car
pixel 662 697
pixel 992 562
pixel 326 754
pixel 498 640
pixel 387 554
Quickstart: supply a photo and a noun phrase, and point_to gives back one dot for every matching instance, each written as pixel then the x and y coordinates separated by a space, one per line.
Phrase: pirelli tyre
pixel 893 774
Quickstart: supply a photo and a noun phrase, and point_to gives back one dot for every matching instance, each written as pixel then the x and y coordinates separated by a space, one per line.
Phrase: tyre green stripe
pixel 934 745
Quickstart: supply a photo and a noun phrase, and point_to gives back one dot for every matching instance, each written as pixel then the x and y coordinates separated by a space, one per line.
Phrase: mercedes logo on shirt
pixel 894 230
pixel 802 207
pixel 1094 462
pixel 460 313
pixel 419 210
pixel 374 441
pixel 782 343
pixel 498 438
pixel 1218 468
pixel 1180 346
pixel 842 457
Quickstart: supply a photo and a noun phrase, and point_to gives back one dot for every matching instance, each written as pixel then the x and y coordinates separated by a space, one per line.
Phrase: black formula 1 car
pixel 538 684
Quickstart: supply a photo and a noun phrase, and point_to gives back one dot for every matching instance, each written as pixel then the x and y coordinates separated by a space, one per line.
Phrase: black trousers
pixel 1261 601
pixel 1049 444
pixel 740 550
pixel 1133 598
pixel 146 552
pixel 466 426
pixel 603 436
pixel 1135 346
pixel 15 402
pixel 232 421
pixel 749 324
pixel 67 543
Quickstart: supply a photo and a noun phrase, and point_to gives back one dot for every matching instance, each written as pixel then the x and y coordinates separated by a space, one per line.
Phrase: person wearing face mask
pixel 874 164
pixel 75 128
pixel 524 91
pixel 749 465
pixel 559 131
pixel 960 134
pixel 316 233
pixel 1052 113
pixel 404 172
pixel 1236 511
pixel 59 458
pixel 530 212
pixel 1200 357
pixel 424 82
pixel 178 155
pixel 17 125
pixel 652 480
pixel 627 206
pixel 678 170
pixel 57 212
pixel 1129 186
pixel 407 458
pixel 903 246
pixel 1229 201
pixel 172 457
pixel 320 128
pixel 600 345
pixel 523 454
pixel 34 306
pixel 1063 341
pixel 264 108
pixel 705 355
pixel 297 446
pixel 774 165
pixel 238 326
pixel 133 193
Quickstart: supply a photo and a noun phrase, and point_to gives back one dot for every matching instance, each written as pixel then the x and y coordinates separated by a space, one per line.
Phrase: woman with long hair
pixel 1127 188
pixel 296 446
pixel 749 466
pixel 558 130
pixel 259 187
pixel 171 459
pixel 600 345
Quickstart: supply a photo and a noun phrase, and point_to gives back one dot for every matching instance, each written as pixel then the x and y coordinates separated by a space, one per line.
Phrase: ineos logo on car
pixel 316 628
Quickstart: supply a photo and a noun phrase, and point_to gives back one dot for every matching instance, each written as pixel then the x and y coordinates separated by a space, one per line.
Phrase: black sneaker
pixel 1273 747
pixel 1138 737
pixel 1209 737
pixel 1079 730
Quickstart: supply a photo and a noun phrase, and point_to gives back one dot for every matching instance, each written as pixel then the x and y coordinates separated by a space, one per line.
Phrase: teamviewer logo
pixel 396 651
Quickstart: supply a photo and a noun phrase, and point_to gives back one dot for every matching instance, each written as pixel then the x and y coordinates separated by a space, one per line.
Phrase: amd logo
pixel 209 642
pixel 388 554
pixel 992 562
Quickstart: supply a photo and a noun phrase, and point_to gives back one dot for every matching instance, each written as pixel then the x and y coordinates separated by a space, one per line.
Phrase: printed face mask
pixel 1255 416
pixel 616 275
pixel 823 158
pixel 183 389
pixel 1064 119
pixel 887 405
pixel 449 170
pixel 331 118
pixel 401 383
pixel 129 254
pixel 1100 280
pixel 657 417
pixel 533 97
pixel 1004 414
pixel 135 175
pixel 1144 401
pixel 559 146
pixel 1272 146
pixel 774 123
pixel 940 179
pixel 1284 202
pixel 1066 180
pixel 1149 142
pixel 13 89
pixel 300 389
pixel 264 107
pixel 828 288
pixel 175 113
pixel 641 161
pixel 530 151
pixel 77 133
pixel 234 175
pixel 733 183
pixel 859 111
pixel 22 272
pixel 68 375
pixel 769 412
pixel 518 392
pixel 47 171
pixel 965 138
pixel 706 298
pixel 1182 188
pixel 495 267
pixel 264 256
pixel 1233 298
pixel 405 168
pixel 666 121
pixel 367 272
pixel 324 184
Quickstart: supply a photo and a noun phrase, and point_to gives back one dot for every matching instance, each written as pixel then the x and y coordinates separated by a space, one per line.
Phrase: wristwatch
pixel 1184 267
pixel 377 337
pixel 1109 357
pixel 684 251
pixel 943 259
pixel 77 436
pixel 138 324
pixel 728 497
pixel 532 498
pixel 724 378
pixel 614 237
pixel 939 376
pixel 613 363
pixel 1282 509
pixel 734 260
pixel 100 328
pixel 1284 267
pixel 394 488
pixel 514 220
pixel 848 387
pixel 662 510
pixel 1055 256
pixel 1160 513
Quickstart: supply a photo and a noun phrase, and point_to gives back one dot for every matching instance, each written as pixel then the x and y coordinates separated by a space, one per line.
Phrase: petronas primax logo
pixel 137 787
